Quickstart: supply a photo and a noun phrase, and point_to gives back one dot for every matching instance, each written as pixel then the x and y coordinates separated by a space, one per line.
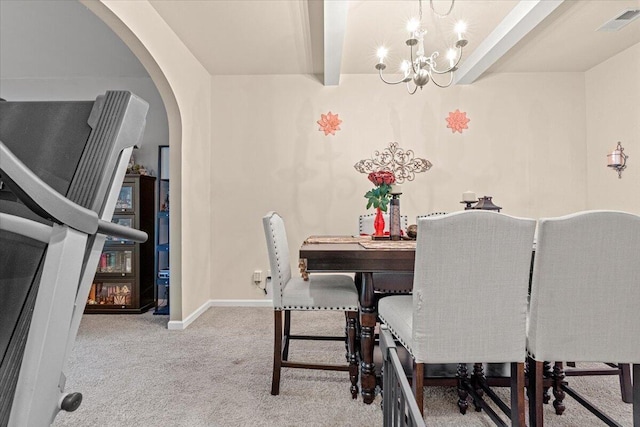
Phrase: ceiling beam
pixel 523 18
pixel 334 24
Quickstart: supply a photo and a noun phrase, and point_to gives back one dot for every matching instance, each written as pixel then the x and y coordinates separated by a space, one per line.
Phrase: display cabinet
pixel 162 277
pixel 124 280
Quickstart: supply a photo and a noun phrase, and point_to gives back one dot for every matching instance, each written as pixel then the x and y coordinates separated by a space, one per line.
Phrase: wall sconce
pixel 617 159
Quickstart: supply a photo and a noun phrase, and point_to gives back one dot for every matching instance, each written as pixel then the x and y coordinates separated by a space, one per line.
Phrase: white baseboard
pixel 179 325
pixel 240 303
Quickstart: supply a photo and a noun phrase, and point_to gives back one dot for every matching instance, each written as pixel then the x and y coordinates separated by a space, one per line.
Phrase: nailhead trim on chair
pixel 293 307
pixel 395 334
pixel 431 214
pixel 275 247
pixel 390 291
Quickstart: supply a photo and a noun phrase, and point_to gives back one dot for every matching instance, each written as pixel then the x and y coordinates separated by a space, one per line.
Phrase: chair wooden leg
pixel 626 390
pixel 535 391
pixel 546 373
pixel 277 353
pixel 477 381
pixel 418 385
pixel 558 392
pixel 463 379
pixel 517 395
pixel 287 334
pixel 352 357
pixel 636 395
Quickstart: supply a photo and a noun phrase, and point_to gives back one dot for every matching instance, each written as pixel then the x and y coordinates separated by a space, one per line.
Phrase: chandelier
pixel 421 68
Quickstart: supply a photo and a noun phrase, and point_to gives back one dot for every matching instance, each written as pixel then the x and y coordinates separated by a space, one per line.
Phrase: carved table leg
pixel 558 392
pixel 352 358
pixel 463 379
pixel 535 391
pixel 477 380
pixel 368 315
pixel 302 266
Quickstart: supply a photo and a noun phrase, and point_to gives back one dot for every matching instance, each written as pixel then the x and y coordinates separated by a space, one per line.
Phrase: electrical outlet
pixel 257 276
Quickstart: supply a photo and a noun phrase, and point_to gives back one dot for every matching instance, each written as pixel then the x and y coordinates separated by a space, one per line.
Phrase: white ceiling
pixel 53 38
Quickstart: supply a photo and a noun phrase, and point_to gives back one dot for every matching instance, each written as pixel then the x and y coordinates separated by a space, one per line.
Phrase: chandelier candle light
pixel 468 198
pixel 421 68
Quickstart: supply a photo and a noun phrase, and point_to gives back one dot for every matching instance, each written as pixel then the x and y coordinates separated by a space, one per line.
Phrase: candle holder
pixel 466 208
pixel 485 203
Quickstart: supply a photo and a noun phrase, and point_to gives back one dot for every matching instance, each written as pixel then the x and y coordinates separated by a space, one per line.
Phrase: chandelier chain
pixel 434 10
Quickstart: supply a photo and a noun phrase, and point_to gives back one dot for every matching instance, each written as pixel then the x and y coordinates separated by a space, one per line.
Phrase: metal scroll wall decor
pixel 402 163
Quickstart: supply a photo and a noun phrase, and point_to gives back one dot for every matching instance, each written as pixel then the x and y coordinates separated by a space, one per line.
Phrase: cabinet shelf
pixel 162 269
pixel 124 280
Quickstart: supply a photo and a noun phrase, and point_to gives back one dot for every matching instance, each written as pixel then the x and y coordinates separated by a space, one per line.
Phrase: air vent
pixel 620 20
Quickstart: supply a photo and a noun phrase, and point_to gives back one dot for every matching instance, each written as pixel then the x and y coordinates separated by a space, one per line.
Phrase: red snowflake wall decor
pixel 457 121
pixel 329 123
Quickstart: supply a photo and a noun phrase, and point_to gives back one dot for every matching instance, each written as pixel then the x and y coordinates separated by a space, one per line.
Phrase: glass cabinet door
pixel 117 261
pixel 111 293
pixel 126 199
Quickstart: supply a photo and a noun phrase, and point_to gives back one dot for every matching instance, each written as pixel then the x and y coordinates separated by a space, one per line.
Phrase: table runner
pixel 336 239
pixel 388 244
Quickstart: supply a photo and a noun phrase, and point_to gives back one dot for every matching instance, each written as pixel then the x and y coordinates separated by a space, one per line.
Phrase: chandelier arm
pixel 404 80
pixel 451 68
pixel 435 82
pixel 447 71
pixel 411 92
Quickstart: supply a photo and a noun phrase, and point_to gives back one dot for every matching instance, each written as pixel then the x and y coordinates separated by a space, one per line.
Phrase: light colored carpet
pixel 132 371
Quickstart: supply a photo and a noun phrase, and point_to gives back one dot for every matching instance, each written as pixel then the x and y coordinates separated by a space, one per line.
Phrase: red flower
pixel 382 177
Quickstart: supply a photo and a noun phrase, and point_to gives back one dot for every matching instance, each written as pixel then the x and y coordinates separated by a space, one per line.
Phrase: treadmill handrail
pixel 121 231
pixel 49 204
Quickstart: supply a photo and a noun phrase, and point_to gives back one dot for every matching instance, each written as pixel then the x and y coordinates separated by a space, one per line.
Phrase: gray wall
pixel 59 50
pixel 156 132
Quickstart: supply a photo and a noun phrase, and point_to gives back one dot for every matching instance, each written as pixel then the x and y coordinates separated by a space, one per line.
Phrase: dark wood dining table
pixel 363 256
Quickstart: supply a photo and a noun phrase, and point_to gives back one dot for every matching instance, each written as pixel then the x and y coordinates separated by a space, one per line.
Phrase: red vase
pixel 378 223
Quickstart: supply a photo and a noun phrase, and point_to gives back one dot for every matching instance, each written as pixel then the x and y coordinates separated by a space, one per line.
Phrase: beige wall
pixel 613 114
pixel 525 146
pixel 253 145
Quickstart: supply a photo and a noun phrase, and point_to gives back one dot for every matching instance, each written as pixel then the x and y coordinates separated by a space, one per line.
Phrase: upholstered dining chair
pixel 319 292
pixel 584 301
pixel 469 300
pixel 365 223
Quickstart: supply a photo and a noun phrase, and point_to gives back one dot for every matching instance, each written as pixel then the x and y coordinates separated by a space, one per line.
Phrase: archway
pixel 175 139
